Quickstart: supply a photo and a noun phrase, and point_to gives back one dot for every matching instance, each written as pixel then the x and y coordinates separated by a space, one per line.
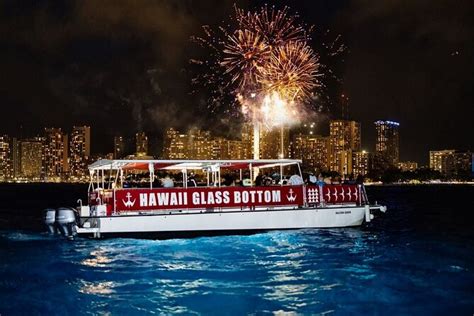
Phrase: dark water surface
pixel 417 259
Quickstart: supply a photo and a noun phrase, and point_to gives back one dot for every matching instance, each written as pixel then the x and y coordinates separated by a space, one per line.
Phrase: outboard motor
pixel 50 219
pixel 66 221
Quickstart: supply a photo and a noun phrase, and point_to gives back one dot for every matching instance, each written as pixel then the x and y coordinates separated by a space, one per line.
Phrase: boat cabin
pixel 128 187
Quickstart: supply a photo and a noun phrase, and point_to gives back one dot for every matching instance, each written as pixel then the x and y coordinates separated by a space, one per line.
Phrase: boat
pixel 183 207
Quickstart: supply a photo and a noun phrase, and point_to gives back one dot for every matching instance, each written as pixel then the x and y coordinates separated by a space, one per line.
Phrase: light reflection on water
pixel 312 271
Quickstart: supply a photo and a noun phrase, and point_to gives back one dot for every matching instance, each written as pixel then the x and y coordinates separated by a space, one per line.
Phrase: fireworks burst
pixel 292 70
pixel 245 53
pixel 265 62
pixel 277 27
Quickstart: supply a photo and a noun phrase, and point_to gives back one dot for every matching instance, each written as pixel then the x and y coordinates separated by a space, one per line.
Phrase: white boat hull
pixel 228 221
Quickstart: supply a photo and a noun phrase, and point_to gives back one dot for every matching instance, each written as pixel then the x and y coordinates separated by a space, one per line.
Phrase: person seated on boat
pixel 336 180
pixel 259 180
pixel 192 181
pixel 295 180
pixel 349 180
pixel 266 181
pixel 247 182
pixel 312 179
pixel 156 182
pixel 320 180
pixel 229 180
pixel 167 182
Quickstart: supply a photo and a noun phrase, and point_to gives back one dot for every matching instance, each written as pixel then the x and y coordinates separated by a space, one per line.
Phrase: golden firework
pixel 292 70
pixel 244 53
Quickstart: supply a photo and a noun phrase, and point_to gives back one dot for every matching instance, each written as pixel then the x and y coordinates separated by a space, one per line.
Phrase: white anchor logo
pixel 291 197
pixel 129 203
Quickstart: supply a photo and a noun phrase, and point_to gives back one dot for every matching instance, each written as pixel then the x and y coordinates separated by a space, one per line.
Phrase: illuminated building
pixel 451 162
pixel 387 143
pixel 270 143
pixel 312 150
pixel 407 166
pixel 16 157
pixel 360 163
pixel 31 156
pixel 235 150
pixel 441 160
pixel 223 148
pixel 174 145
pixel 54 149
pixel 247 140
pixel 80 151
pixel 344 136
pixel 141 142
pixel 5 161
pixel 199 144
pixel 220 148
pixel 119 147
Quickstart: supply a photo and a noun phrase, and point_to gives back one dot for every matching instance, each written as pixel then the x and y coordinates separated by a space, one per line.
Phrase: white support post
pixel 151 169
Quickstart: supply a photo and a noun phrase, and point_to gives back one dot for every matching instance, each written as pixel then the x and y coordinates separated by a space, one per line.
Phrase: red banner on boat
pixel 333 194
pixel 178 198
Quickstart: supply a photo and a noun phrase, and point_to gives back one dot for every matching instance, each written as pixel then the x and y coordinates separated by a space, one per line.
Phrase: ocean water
pixel 416 259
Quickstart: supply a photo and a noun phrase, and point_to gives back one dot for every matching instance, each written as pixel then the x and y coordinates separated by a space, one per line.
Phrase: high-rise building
pixel 360 163
pixel 344 136
pixel 312 150
pixel 247 140
pixel 79 151
pixel 407 165
pixel 451 162
pixel 54 152
pixel 5 161
pixel 119 147
pixel 387 147
pixel 199 144
pixel 31 155
pixel 271 143
pixel 141 144
pixel 235 150
pixel 16 157
pixel 175 145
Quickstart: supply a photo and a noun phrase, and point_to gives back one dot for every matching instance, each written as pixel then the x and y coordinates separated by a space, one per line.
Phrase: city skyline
pixel 58 155
pixel 416 72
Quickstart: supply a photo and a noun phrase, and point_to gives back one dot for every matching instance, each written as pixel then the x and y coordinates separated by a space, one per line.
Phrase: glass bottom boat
pixel 207 197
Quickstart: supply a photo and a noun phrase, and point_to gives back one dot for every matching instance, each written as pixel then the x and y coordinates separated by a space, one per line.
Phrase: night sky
pixel 123 66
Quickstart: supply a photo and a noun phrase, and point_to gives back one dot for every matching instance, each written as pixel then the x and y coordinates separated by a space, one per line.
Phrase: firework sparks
pixel 277 27
pixel 292 70
pixel 245 53
pixel 264 61
pixel 277 111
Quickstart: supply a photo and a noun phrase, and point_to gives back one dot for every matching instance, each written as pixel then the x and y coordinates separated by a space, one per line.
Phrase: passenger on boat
pixel 320 180
pixel 192 181
pixel 167 182
pixel 267 181
pixel 296 180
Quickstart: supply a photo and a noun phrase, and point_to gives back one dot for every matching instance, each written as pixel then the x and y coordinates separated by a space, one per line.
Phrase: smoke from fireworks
pixel 266 63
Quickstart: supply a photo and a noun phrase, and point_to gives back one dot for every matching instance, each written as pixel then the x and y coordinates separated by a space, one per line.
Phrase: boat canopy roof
pixel 107 164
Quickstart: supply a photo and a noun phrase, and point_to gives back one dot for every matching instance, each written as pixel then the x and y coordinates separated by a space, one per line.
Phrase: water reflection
pixel 97 288
pixel 99 258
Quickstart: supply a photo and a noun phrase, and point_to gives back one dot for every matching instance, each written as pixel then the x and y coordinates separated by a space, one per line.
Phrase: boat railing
pixel 132 200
